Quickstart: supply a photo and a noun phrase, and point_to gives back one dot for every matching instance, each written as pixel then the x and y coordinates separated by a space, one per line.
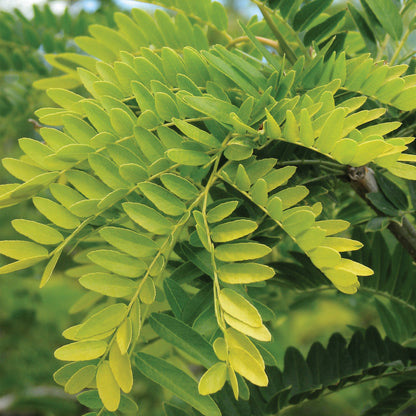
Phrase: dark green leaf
pixel 179 383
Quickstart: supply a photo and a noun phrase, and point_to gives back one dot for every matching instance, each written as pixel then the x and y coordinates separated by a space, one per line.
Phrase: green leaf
pixel 20 169
pixel 80 379
pixel 56 213
pixel 260 333
pixel 197 134
pixel 244 273
pixel 107 386
pixel 166 108
pixel 213 107
pixel 382 204
pixel 118 263
pixel 218 15
pixel 103 321
pixel 213 379
pixel 183 337
pixel 107 171
pixel 129 241
pixel 232 230
pixel 148 291
pixel 147 218
pixel 278 177
pixel 62 375
pixel 179 186
pixel 81 351
pixel 241 251
pixel 324 29
pixel 20 250
pixel 234 75
pixel 331 131
pixel 259 192
pixel 108 284
pixel 221 211
pixel 164 200
pixel 89 186
pixel 298 222
pixel 239 307
pixel 242 181
pixel 188 157
pixel 175 380
pixel 244 364
pixel 21 264
pixel 176 296
pixel 291 196
pixel 124 333
pixel 236 339
pixel 364 29
pixel 121 368
pixel 305 16
pixel 388 15
pixel 392 192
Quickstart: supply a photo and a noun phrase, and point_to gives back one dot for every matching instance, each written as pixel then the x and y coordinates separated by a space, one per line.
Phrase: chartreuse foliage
pixel 168 169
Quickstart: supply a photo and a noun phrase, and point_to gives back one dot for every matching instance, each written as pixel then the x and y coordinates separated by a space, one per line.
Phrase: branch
pixel 363 181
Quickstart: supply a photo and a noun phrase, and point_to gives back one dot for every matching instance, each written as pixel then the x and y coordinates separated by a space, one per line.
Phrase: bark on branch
pixel 363 181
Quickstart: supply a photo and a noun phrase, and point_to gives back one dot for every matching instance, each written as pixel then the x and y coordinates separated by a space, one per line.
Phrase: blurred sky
pixel 58 6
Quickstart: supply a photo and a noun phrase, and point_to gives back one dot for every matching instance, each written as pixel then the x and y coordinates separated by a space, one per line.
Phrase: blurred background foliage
pixel 31 320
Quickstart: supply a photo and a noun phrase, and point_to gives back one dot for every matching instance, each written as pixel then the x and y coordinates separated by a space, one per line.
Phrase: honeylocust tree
pixel 195 174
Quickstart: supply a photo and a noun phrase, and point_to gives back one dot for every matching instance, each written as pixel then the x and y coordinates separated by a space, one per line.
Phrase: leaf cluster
pixel 168 170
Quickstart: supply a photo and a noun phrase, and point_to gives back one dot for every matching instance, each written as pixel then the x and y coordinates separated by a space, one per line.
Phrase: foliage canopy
pixel 181 161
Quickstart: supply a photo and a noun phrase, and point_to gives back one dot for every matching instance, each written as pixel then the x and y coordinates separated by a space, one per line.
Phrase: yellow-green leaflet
pixel 117 262
pixel 196 134
pixel 260 333
pixel 121 368
pixel 272 128
pixel 124 335
pixel 298 222
pixel 259 192
pixel 129 241
pixel 291 196
pixel 41 233
pixel 56 213
pixel 147 218
pixel 81 379
pixel 81 351
pixel 179 186
pixel 108 284
pixel 325 257
pixel 102 321
pixel 236 339
pixel 311 238
pixel 220 348
pixel 239 307
pixel 213 379
pixel 221 211
pixel 20 250
pixel 148 291
pixel 164 200
pixel 232 230
pixel 242 181
pixel 244 364
pixel 241 251
pixel 21 264
pixel 342 244
pixel 71 333
pixel 240 273
pixel 233 381
pixel 108 388
pixel 188 157
pixel 357 268
pixel 333 226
